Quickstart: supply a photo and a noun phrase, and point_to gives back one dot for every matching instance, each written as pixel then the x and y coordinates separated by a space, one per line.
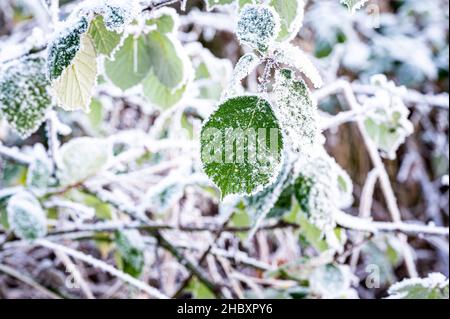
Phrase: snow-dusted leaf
pixel 241 145
pixel 73 89
pixel 82 158
pixel 354 5
pixel 245 66
pixel 130 245
pixel 24 94
pixel 26 216
pixel 40 172
pixel 105 41
pixel 117 14
pixel 211 4
pixel 63 49
pixel 330 281
pixel 291 17
pixel 298 114
pixel 435 286
pixel 292 56
pixel 258 26
pixel 317 190
pixel 261 204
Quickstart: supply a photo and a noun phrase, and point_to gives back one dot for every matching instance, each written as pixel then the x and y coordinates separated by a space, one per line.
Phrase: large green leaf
pixel 24 95
pixel 159 94
pixel 73 89
pixel 105 41
pixel 241 145
pixel 131 63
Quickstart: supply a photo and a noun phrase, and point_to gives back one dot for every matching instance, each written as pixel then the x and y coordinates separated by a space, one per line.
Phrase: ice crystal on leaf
pixel 24 95
pixel 26 216
pixel 258 26
pixel 241 145
pixel 435 286
pixel 64 47
pixel 318 190
pixel 244 67
pixel 130 246
pixel 82 158
pixel 297 112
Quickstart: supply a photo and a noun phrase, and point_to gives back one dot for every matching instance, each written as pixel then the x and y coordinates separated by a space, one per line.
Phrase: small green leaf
pixel 105 41
pixel 165 20
pixel 354 5
pixel 26 216
pixel 291 17
pixel 241 145
pixel 40 172
pixel 130 246
pixel 257 27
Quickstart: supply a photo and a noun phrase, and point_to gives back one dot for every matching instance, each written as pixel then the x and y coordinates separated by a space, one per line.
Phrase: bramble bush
pixel 316 167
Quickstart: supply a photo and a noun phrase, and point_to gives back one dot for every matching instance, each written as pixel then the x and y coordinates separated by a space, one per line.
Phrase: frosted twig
pixel 15 155
pixel 27 280
pixel 103 266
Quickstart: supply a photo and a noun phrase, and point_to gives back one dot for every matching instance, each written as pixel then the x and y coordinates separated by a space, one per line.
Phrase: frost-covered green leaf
pixel 82 158
pixel 63 49
pixel 117 14
pixel 291 17
pixel 73 88
pixel 261 204
pixel 258 26
pixel 387 123
pixel 241 145
pixel 246 65
pixel 330 281
pixel 298 114
pixel 293 57
pixel 156 52
pixel 26 217
pixel 24 94
pixel 105 41
pixel 435 286
pixel 354 5
pixel 317 190
pixel 40 172
pixel 130 245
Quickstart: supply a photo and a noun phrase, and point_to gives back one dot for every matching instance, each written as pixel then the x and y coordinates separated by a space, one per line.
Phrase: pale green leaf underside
pixel 291 16
pixel 231 175
pixel 73 88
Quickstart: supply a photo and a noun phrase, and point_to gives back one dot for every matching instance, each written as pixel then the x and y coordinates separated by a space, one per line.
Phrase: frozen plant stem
pixel 386 186
pixel 103 266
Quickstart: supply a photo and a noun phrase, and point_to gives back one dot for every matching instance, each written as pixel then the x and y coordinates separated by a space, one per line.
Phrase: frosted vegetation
pixel 224 149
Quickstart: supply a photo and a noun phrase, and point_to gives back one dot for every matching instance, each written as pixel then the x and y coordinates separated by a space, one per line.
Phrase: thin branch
pixel 103 266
